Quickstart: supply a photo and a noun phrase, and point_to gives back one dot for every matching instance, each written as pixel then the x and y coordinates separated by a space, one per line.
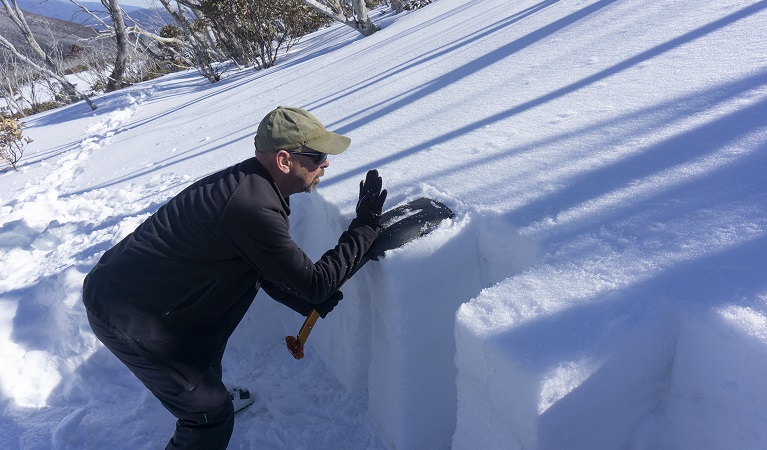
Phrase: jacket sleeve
pixel 260 234
pixel 297 304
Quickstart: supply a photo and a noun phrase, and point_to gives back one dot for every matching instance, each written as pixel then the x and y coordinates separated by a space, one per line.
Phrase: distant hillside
pixel 58 24
pixel 50 33
pixel 62 10
pixel 67 11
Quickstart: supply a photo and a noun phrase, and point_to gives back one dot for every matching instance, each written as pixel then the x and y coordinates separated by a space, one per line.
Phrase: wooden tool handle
pixel 296 344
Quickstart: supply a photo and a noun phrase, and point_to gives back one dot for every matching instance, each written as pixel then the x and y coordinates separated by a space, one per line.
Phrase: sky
pixel 601 286
pixel 140 3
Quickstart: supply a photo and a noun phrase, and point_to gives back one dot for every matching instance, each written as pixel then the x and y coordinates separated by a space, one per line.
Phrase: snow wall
pixel 595 363
pixel 394 335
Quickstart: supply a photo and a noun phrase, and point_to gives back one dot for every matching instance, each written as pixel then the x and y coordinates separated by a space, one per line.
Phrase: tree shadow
pixel 376 111
pixel 693 146
pixel 442 51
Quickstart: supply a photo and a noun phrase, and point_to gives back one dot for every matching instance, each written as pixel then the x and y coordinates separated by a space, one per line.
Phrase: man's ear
pixel 282 160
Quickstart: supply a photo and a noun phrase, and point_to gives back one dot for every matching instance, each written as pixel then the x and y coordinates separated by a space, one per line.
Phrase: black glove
pixel 371 200
pixel 325 307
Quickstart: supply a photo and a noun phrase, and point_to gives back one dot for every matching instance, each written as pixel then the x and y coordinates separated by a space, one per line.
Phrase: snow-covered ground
pixel 602 286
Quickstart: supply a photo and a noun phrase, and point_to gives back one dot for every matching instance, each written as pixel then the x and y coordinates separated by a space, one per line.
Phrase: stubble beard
pixel 313 185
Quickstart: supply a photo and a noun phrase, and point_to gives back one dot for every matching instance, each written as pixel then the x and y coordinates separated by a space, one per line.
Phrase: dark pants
pixel 205 413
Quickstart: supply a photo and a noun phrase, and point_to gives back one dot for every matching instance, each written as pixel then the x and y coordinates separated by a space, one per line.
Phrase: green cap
pixel 288 128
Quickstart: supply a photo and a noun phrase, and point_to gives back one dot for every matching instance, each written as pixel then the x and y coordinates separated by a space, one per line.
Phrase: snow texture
pixel 603 284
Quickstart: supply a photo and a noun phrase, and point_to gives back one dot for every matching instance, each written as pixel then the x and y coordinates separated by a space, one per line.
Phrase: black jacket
pixel 176 288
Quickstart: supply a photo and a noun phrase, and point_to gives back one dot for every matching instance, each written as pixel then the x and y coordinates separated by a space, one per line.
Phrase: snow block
pixel 412 376
pixel 393 334
pixel 579 377
pixel 717 397
pixel 417 291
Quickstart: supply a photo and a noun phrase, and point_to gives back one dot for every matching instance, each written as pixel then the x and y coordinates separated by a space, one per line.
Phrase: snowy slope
pixel 602 284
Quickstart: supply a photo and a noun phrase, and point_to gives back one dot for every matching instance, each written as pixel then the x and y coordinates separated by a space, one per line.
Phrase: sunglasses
pixel 317 157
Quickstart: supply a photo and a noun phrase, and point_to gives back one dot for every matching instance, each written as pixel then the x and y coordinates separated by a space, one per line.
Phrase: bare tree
pixel 131 34
pixel 47 72
pixel 360 19
pixel 200 49
pixel 12 81
pixel 46 64
pixel 121 36
pixel 115 80
pixel 202 29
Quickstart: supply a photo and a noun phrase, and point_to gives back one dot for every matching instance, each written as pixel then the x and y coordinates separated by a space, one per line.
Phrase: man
pixel 167 297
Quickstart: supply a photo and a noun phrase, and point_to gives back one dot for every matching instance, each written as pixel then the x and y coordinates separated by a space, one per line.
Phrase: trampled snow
pixel 602 286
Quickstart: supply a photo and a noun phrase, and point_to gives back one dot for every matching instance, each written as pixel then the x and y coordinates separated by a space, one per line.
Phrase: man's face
pixel 307 172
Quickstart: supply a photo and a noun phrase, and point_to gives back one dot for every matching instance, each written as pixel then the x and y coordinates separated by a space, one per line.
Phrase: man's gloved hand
pixel 371 199
pixel 325 307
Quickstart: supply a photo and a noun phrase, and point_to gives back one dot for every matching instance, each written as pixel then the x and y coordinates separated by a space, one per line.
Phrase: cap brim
pixel 330 143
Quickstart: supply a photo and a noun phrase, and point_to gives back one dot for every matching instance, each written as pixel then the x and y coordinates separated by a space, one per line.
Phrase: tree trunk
pixel 116 81
pixel 361 21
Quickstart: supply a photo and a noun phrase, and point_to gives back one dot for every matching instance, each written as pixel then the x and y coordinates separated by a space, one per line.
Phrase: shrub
pixel 39 107
pixel 12 143
pixel 409 5
pixel 76 69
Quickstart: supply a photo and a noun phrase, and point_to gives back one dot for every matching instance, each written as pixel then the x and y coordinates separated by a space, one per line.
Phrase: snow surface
pixel 602 286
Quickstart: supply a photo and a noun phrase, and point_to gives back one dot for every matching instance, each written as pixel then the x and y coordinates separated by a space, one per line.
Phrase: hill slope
pixel 53 35
pixel 602 285
pixel 69 12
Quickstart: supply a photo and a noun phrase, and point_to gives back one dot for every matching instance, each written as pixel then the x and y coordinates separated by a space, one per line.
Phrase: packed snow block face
pixel 718 393
pixel 580 378
pixel 342 339
pixel 411 378
pixel 416 291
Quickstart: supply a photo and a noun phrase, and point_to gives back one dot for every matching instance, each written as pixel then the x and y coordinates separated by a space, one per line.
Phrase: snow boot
pixel 241 398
